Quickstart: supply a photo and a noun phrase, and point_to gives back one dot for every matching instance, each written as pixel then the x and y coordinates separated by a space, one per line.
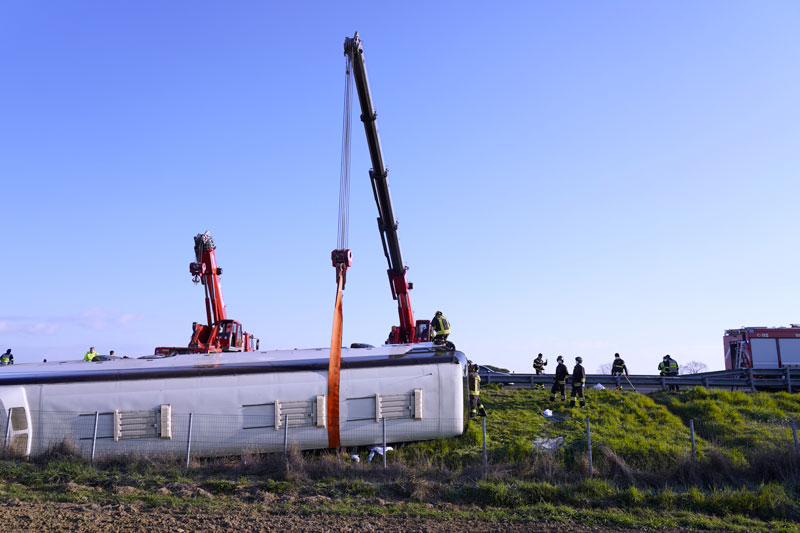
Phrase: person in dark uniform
pixel 578 382
pixel 669 367
pixel 440 328
pixel 475 406
pixel 538 366
pixel 618 367
pixel 560 382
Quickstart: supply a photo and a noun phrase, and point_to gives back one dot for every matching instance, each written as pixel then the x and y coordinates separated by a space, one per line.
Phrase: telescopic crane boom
pixel 408 330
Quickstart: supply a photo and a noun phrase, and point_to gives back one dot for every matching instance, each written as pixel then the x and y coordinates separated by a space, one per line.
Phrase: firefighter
pixel 91 354
pixel 475 406
pixel 441 328
pixel 7 358
pixel 578 382
pixel 618 367
pixel 669 367
pixel 560 382
pixel 538 366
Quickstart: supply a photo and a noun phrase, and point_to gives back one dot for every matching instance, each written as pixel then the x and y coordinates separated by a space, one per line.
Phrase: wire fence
pixel 163 434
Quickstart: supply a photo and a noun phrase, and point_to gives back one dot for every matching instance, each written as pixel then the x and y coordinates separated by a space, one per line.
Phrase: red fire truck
pixel 762 347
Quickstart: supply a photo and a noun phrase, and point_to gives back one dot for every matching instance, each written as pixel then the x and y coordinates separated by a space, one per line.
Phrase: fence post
pixel 483 429
pixel 286 435
pixel 752 382
pixel 694 449
pixel 789 379
pixel 94 435
pixel 384 443
pixel 189 441
pixel 794 434
pixel 589 447
pixel 8 428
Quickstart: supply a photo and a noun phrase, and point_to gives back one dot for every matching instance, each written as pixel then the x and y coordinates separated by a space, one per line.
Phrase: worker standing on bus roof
pixel 475 406
pixel 91 354
pixel 618 367
pixel 7 358
pixel 578 382
pixel 669 367
pixel 441 328
pixel 560 383
pixel 538 366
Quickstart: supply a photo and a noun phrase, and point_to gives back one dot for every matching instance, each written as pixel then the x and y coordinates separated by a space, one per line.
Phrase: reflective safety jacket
pixel 89 356
pixel 440 325
pixel 618 367
pixel 670 368
pixel 4 358
pixel 539 364
pixel 578 375
pixel 561 373
pixel 474 384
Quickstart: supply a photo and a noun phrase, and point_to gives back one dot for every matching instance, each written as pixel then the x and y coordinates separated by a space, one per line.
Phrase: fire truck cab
pixel 762 347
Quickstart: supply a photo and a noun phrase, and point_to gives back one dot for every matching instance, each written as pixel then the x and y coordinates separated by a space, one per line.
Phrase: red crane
pixel 221 334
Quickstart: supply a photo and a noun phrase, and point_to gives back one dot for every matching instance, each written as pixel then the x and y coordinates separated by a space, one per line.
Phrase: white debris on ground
pixel 548 445
pixel 598 386
pixel 547 413
pixel 379 450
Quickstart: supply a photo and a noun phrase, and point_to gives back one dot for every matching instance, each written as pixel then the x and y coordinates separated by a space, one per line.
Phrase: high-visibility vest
pixel 538 364
pixel 89 356
pixel 673 367
pixel 474 384
pixel 440 325
pixel 4 358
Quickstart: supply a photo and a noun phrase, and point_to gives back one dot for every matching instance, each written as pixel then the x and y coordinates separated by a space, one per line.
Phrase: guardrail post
pixel 483 430
pixel 8 429
pixel 663 383
pixel 789 379
pixel 694 449
pixel 533 382
pixel 705 381
pixel 384 443
pixel 189 441
pixel 94 435
pixel 589 447
pixel 752 381
pixel 794 434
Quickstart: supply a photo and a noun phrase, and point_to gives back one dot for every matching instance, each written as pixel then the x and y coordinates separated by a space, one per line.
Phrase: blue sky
pixel 575 178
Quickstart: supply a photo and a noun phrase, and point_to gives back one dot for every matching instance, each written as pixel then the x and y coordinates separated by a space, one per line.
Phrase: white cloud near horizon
pixel 95 319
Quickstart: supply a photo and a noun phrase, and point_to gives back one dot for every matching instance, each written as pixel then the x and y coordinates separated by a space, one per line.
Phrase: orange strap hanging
pixel 333 369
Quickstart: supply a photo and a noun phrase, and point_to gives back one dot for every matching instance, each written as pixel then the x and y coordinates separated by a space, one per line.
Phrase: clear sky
pixel 575 178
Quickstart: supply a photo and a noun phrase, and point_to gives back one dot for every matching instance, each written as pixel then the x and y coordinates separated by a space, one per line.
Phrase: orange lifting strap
pixel 333 370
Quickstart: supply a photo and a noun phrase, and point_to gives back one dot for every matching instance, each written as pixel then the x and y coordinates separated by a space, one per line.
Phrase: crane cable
pixel 334 364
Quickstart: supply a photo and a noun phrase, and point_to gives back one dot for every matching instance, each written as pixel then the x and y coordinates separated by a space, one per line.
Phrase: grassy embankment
pixel 747 477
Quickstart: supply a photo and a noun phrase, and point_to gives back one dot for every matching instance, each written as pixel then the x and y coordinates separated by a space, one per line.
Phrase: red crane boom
pixel 220 334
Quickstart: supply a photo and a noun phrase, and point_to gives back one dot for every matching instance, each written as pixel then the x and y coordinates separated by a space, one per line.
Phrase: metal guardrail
pixel 783 379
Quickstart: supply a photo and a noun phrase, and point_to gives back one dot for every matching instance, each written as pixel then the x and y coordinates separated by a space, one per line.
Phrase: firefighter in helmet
pixel 440 327
pixel 618 367
pixel 475 406
pixel 578 382
pixel 538 366
pixel 560 382
pixel 669 367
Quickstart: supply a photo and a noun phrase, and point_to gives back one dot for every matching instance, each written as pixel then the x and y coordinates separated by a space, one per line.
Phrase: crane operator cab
pixel 230 335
